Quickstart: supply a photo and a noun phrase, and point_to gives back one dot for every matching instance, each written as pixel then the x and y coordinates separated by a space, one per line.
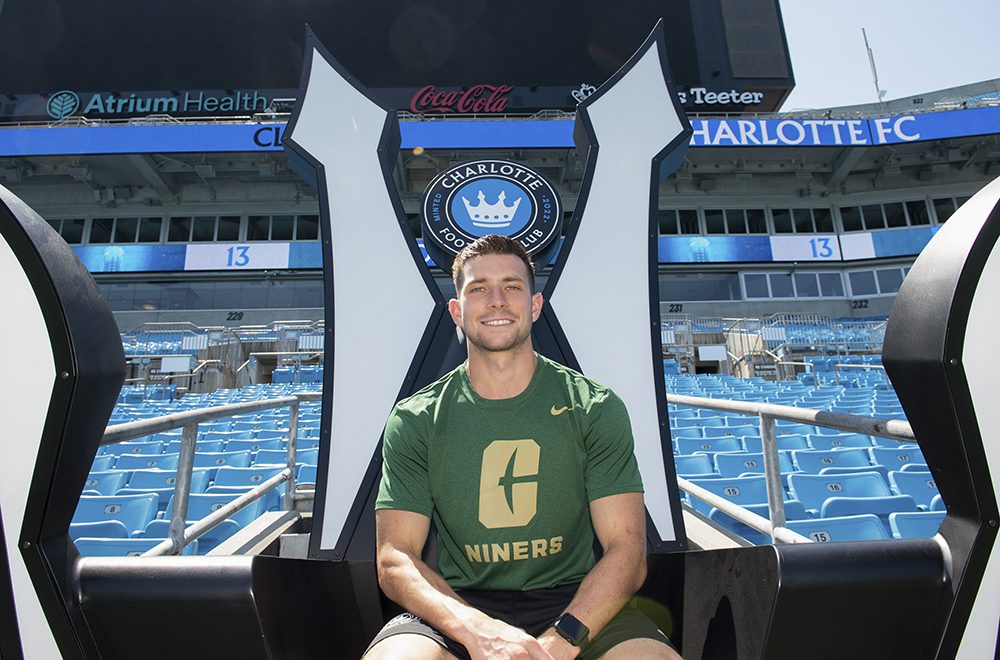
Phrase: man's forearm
pixel 614 579
pixel 408 581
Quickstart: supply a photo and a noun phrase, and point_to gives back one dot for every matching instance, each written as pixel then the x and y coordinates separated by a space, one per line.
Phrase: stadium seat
pixel 846 494
pixel 279 456
pixel 755 445
pixel 915 467
pixel 687 432
pixel 217 459
pixel 896 458
pixel 915 524
pixel 691 466
pixel 849 470
pixel 793 511
pixel 133 547
pixel 733 465
pixel 793 428
pixel 728 431
pixel 302 444
pixel 840 440
pixel 708 445
pixel 145 448
pixel 918 485
pixel 937 504
pixel 307 474
pixel 739 490
pixel 847 528
pixel 147 462
pixel 814 460
pixel 174 446
pixel 105 483
pixel 162 483
pixel 246 476
pixel 273 434
pixel 112 529
pixel 102 462
pixel 253 446
pixel 132 510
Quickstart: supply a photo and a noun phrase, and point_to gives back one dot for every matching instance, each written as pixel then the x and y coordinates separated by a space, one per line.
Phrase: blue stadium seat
pixel 162 483
pixel 918 485
pixel 224 436
pixel 915 524
pixel 217 459
pixel 106 482
pixel 253 446
pixel 864 527
pixel 729 431
pixel 273 434
pixel 740 490
pixel 692 466
pixel 174 446
pixel 793 511
pixel 937 504
pixel 846 494
pixel 915 467
pixel 814 460
pixel 733 465
pixel 708 445
pixel 132 510
pixel 302 444
pixel 102 462
pixel 687 432
pixel 279 456
pixel 896 458
pixel 111 529
pixel 94 547
pixel 247 476
pixel 879 441
pixel 755 445
pixel 307 474
pixel 840 440
pixel 145 448
pixel 147 461
pixel 793 428
pixel 849 470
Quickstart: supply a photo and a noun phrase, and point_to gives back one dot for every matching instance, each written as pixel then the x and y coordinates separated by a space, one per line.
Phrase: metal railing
pixel 180 535
pixel 767 413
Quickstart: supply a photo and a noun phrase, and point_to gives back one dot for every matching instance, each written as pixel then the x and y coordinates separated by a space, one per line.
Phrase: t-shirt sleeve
pixel 405 484
pixel 611 465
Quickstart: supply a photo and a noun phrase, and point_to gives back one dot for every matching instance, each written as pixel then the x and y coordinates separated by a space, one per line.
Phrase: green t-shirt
pixel 507 482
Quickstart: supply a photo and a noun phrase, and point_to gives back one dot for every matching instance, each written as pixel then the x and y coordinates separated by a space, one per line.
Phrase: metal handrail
pixel 812 368
pixel 767 413
pixel 179 534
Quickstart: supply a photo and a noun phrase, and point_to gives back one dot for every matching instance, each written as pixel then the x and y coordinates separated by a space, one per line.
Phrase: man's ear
pixel 455 309
pixel 536 306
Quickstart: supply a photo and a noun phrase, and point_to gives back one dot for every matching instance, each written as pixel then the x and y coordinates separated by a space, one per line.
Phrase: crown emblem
pixel 580 95
pixel 491 216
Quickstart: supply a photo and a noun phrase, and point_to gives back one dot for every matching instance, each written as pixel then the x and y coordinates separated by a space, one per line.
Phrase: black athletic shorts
pixel 532 611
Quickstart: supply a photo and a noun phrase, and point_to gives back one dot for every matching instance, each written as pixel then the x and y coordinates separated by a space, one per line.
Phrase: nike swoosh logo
pixel 558 411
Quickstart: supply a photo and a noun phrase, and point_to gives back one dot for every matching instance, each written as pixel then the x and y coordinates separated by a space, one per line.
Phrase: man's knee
pixel 640 649
pixel 408 646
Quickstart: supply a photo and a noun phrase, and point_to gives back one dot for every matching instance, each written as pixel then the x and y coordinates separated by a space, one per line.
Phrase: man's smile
pixel 498 322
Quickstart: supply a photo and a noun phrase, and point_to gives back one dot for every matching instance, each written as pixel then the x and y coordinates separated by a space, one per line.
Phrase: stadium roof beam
pixel 847 159
pixel 144 164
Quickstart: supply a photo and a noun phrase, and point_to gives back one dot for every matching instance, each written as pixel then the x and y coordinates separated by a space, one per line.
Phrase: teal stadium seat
pixel 162 483
pixel 814 460
pixel 915 524
pixel 693 466
pixel 865 527
pixel 839 441
pixel 918 485
pixel 739 490
pixel 837 495
pixel 896 458
pixel 94 547
pixel 147 461
pixel 106 482
pixel 111 529
pixel 708 445
pixel 134 511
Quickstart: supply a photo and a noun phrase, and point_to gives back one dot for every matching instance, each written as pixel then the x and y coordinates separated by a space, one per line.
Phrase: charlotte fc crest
pixel 490 197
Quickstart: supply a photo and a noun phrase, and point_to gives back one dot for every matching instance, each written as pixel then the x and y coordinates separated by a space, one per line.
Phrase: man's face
pixel 495 307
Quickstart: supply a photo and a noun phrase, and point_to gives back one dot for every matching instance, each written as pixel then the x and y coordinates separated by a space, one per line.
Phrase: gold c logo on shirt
pixel 508 491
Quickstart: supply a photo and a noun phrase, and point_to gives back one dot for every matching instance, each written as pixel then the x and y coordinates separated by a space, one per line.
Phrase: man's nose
pixel 497 298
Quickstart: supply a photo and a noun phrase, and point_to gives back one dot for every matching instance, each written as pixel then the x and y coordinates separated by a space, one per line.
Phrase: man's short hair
pixel 487 245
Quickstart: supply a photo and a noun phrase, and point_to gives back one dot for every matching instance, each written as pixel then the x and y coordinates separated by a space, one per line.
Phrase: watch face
pixel 572 629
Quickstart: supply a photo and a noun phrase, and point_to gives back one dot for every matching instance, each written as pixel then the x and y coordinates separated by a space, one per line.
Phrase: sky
pixel 919 46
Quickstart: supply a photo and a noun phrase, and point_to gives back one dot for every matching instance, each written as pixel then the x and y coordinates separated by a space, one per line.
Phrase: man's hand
pixel 495 639
pixel 557 646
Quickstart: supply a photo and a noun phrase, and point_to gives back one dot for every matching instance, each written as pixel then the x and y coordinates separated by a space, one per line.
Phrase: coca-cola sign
pixel 471 100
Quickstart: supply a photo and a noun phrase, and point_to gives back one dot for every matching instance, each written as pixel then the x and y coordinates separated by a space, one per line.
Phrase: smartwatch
pixel 571 629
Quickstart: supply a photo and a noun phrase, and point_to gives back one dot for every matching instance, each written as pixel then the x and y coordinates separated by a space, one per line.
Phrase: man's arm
pixel 620 524
pixel 407 580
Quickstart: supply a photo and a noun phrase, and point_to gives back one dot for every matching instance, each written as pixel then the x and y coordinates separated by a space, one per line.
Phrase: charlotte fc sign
pixel 490 197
